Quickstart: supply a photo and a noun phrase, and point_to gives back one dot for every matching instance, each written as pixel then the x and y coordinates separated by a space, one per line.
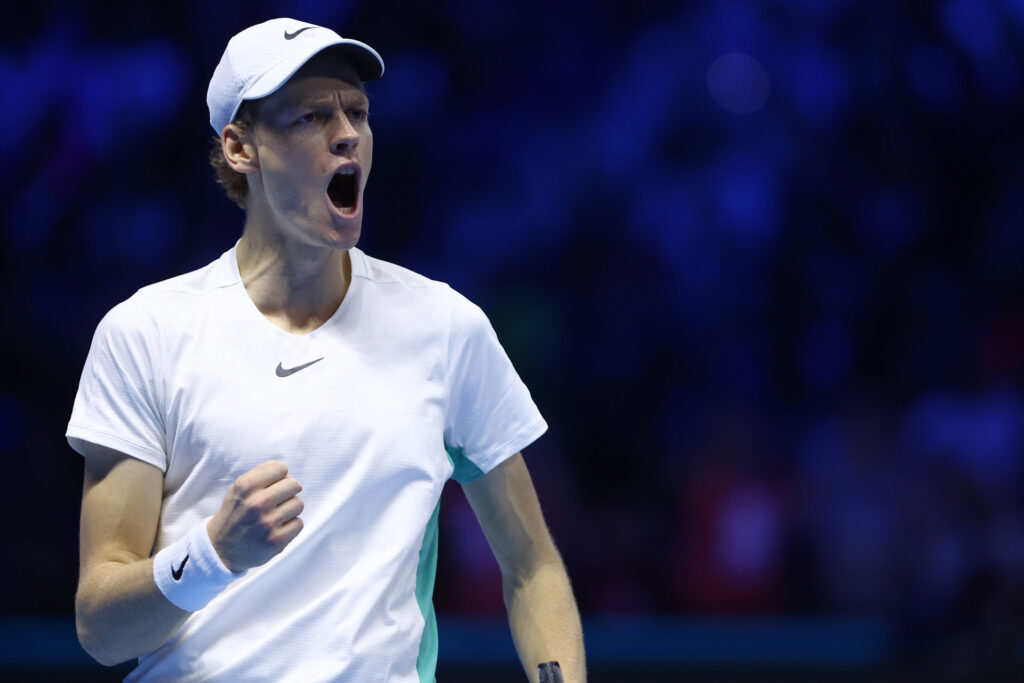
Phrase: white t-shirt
pixel 403 387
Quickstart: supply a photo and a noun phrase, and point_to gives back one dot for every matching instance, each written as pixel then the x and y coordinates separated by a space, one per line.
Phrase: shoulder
pixel 200 282
pixel 152 306
pixel 398 282
pixel 385 273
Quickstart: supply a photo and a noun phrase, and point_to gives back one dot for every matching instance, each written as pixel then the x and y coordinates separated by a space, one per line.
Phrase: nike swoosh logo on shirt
pixel 289 36
pixel 284 372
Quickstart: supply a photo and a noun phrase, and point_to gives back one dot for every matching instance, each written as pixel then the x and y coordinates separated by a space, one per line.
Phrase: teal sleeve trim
pixel 426 571
pixel 465 469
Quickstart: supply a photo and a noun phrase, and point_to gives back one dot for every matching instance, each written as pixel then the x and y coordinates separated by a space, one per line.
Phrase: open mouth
pixel 343 190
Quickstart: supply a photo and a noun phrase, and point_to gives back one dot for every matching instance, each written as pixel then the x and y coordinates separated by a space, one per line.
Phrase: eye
pixel 358 114
pixel 310 117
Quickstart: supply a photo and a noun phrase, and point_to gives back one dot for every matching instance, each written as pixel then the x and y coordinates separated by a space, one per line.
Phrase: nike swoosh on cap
pixel 284 372
pixel 289 36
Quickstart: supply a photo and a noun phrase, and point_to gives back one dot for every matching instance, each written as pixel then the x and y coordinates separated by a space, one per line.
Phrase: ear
pixel 239 148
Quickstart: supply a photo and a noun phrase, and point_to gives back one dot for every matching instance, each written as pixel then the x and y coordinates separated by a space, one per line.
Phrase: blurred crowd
pixel 759 263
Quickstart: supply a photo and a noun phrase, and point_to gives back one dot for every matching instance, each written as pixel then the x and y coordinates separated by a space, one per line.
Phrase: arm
pixel 542 612
pixel 119 611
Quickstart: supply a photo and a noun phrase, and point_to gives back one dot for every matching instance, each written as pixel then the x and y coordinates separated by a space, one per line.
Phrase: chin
pixel 343 238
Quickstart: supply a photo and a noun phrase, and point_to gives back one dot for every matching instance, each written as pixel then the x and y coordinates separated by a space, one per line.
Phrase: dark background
pixel 758 262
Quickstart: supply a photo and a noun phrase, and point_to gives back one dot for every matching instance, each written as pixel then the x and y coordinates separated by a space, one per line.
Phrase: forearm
pixel 545 622
pixel 121 614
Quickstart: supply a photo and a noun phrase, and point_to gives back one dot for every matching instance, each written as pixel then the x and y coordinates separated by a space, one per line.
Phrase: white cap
pixel 261 58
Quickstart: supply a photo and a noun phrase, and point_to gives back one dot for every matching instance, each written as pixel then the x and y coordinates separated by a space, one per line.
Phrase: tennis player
pixel 266 438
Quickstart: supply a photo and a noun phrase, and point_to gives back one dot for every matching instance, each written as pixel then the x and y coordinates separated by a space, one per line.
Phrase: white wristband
pixel 189 572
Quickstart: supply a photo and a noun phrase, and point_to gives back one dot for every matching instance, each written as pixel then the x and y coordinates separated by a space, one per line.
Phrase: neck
pixel 296 286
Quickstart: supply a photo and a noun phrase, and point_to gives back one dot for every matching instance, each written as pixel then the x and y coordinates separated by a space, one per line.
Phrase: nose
pixel 344 138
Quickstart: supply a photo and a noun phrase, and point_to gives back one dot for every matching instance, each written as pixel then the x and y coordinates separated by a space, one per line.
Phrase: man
pixel 297 363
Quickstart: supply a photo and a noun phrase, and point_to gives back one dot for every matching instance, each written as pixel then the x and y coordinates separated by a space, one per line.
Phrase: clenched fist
pixel 259 517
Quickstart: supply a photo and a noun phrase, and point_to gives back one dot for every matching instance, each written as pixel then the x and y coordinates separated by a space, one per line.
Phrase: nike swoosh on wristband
pixel 289 36
pixel 284 372
pixel 176 573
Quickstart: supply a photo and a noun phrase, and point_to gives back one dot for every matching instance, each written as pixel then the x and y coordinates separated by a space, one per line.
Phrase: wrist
pixel 189 572
pixel 208 523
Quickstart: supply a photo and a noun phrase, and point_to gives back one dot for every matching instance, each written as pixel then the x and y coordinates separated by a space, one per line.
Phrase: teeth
pixel 348 170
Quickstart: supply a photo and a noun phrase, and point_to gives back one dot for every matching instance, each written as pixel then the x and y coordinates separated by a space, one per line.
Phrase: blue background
pixel 759 263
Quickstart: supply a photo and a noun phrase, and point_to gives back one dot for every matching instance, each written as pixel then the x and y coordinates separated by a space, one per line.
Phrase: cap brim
pixel 368 63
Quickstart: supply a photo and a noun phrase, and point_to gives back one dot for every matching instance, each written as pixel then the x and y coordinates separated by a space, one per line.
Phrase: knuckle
pixel 259 501
pixel 241 486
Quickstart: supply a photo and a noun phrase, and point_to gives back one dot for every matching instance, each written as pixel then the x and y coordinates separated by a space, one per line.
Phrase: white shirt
pixel 403 386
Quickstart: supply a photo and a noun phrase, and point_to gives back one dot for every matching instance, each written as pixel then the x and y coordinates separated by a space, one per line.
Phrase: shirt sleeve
pixel 118 404
pixel 491 415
